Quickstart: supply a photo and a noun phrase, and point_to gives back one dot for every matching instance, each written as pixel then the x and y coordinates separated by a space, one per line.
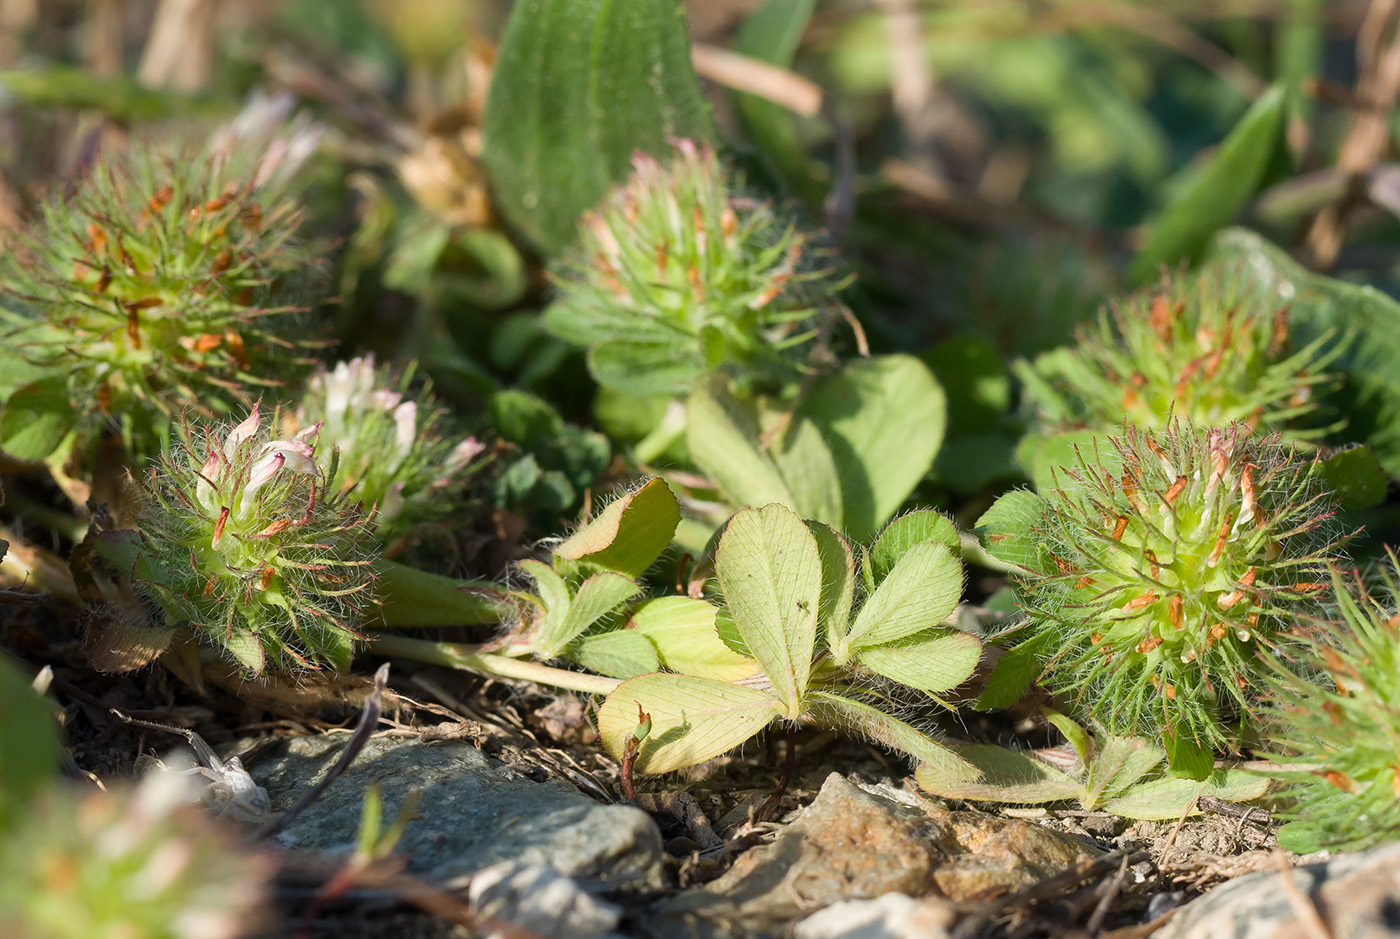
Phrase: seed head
pixel 1210 348
pixel 247 541
pixel 1174 562
pixel 676 275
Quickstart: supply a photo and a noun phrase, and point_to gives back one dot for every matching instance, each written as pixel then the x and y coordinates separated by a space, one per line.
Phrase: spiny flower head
pixel 143 863
pixel 247 541
pixel 1176 561
pixel 1210 348
pixel 676 275
pixel 162 284
pixel 1342 726
pixel 391 453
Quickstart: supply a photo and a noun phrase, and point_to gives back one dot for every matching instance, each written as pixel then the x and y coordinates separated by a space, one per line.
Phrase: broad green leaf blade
pixel 1014 673
pixel 771 574
pixel 838 582
pixel 1219 190
pixel 684 633
pixel 932 662
pixel 552 590
pixel 1168 798
pixel 630 534
pixel 1355 476
pixel 722 436
pixel 809 471
pixel 579 86
pixel 692 719
pixel 918 594
pixel 1007 529
pixel 412 597
pixel 883 419
pixel 36 418
pixel 906 531
pixel 846 714
pixel 1000 775
pixel 617 653
pixel 597 596
pixel 637 366
pixel 1186 755
pixel 1118 766
pixel 772 34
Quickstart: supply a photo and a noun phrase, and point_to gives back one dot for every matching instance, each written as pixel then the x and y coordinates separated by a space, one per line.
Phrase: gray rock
pixel 1356 895
pixel 541 901
pixel 472 812
pixel 893 916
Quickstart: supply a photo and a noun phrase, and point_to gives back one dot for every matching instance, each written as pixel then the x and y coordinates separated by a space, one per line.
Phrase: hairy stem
pixel 454 655
pixel 416 598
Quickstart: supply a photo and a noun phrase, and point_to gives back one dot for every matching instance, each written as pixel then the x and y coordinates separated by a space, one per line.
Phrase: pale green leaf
pixel 1077 736
pixel 36 418
pixel 883 419
pixel 838 581
pixel 1118 766
pixel 617 653
pixel 1000 775
pixel 692 719
pixel 1168 798
pixel 630 534
pixel 1007 529
pixel 809 471
pixel 919 593
pixel 932 662
pixel 771 574
pixel 684 633
pixel 597 597
pixel 906 531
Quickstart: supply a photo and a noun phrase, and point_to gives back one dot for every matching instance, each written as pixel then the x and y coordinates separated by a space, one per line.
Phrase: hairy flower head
pixel 1174 562
pixel 1341 726
pixel 676 275
pixel 162 283
pixel 247 541
pixel 1210 348
pixel 389 447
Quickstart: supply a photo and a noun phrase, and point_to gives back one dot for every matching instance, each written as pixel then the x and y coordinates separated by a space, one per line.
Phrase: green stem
pixel 416 598
pixel 667 431
pixel 456 656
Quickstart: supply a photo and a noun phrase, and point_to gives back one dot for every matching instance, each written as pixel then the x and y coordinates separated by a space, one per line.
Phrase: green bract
pixel 390 454
pixel 790 591
pixel 248 542
pixel 1344 769
pixel 1209 348
pixel 1156 574
pixel 676 275
pixel 116 864
pixel 159 286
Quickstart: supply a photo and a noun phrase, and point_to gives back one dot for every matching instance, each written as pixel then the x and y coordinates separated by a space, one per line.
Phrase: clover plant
pixel 1102 772
pixel 789 589
pixel 1158 576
